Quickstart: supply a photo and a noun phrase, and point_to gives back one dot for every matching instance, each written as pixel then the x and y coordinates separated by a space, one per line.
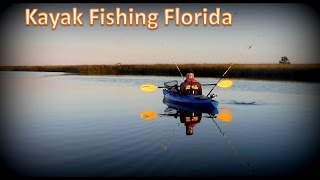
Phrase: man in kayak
pixel 190 86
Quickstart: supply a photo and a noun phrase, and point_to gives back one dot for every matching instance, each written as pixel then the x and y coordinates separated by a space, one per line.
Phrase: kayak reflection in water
pixel 190 119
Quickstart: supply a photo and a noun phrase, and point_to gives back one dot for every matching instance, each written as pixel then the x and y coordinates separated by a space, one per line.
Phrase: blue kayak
pixel 191 103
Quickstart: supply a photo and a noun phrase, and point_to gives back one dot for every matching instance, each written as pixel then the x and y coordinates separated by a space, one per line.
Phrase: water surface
pixel 69 125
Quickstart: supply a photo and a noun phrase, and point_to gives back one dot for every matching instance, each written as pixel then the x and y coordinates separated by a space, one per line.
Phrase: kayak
pixel 190 103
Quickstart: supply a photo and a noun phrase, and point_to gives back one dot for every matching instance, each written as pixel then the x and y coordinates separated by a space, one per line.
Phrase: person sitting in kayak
pixel 190 86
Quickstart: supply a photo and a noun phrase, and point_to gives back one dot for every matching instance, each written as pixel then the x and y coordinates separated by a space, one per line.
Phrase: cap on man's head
pixel 190 75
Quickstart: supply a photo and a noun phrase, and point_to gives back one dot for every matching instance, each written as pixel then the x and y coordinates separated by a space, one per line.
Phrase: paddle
pixel 225 115
pixel 148 115
pixel 151 87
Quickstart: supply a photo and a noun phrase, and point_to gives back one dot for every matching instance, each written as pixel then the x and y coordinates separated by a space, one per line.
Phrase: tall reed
pixel 295 72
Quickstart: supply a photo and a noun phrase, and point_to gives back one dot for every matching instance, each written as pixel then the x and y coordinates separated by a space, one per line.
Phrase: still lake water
pixel 69 125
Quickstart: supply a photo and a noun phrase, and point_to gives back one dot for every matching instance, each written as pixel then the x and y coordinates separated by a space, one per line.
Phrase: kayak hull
pixel 190 103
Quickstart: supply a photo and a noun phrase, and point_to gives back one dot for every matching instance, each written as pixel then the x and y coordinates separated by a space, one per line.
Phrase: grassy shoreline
pixel 290 72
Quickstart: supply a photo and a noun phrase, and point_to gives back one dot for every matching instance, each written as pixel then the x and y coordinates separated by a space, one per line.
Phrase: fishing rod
pixel 246 165
pixel 179 70
pixel 164 146
pixel 163 44
pixel 220 79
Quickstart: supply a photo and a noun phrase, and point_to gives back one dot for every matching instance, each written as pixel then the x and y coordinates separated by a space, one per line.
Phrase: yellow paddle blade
pixel 148 115
pixel 225 115
pixel 225 83
pixel 148 87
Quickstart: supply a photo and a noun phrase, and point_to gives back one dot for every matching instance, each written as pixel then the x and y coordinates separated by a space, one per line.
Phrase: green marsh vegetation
pixel 291 72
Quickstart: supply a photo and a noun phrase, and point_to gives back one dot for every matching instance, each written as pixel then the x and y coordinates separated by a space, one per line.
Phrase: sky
pixel 273 30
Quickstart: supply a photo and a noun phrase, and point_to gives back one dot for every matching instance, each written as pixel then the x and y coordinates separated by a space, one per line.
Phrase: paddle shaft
pixel 201 84
pixel 220 79
pixel 177 114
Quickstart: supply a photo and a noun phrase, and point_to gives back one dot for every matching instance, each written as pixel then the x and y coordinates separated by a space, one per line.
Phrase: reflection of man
pixel 190 119
pixel 191 86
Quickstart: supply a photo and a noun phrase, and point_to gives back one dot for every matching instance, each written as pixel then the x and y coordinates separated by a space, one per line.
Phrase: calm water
pixel 68 125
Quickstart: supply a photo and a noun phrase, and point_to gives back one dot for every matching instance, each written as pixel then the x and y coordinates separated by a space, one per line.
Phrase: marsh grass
pixel 294 72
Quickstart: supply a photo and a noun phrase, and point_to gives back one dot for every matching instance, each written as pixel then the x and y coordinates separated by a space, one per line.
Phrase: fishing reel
pixel 213 96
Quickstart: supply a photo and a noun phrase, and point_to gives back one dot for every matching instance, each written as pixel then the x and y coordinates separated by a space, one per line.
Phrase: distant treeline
pixel 294 72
